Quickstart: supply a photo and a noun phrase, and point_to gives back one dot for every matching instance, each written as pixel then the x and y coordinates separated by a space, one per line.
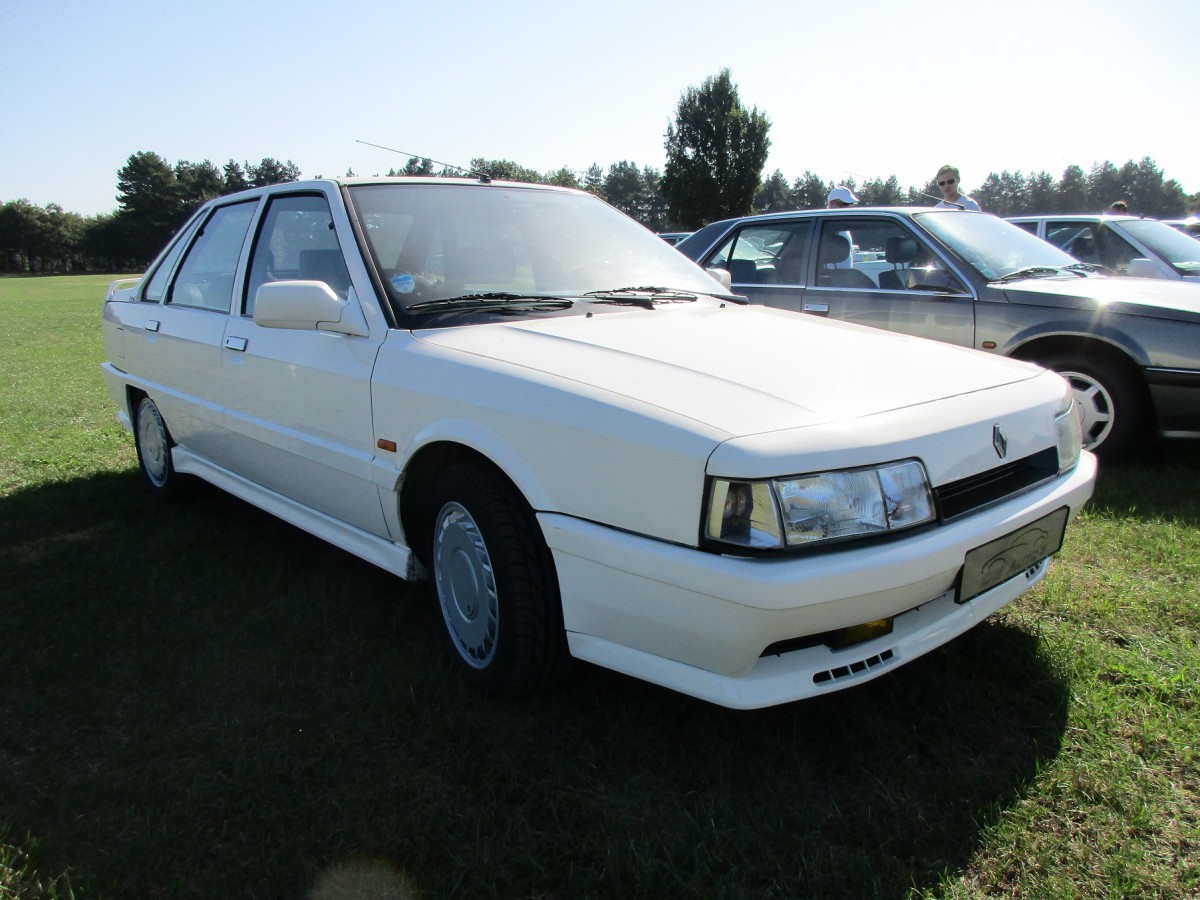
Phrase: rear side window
pixel 157 285
pixel 205 278
pixel 297 243
pixel 765 254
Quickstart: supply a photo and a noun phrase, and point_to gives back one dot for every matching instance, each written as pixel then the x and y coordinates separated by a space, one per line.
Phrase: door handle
pixel 235 343
pixel 818 309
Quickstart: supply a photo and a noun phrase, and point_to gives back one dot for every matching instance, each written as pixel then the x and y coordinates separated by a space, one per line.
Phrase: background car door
pixel 299 402
pixel 179 348
pixel 876 271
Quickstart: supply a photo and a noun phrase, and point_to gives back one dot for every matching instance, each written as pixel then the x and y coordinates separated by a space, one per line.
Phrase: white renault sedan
pixel 589 448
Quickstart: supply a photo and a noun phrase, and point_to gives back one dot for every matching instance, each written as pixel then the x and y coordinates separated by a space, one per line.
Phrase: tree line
pixel 716 150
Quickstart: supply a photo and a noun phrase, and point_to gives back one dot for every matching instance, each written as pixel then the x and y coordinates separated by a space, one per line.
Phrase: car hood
pixel 741 370
pixel 1158 298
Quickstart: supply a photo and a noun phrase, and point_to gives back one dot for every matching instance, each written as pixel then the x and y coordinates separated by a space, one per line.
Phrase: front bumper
pixel 698 622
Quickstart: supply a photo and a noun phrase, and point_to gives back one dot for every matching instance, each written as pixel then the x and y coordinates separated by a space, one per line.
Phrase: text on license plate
pixel 997 561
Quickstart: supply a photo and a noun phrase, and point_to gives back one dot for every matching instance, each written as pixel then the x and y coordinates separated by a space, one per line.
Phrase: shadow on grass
pixel 1159 483
pixel 201 701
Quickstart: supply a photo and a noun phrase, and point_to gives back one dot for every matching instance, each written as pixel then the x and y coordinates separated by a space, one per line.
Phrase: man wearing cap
pixel 840 198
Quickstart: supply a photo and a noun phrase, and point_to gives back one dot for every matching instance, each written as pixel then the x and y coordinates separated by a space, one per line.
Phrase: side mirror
pixel 307 306
pixel 1142 268
pixel 721 276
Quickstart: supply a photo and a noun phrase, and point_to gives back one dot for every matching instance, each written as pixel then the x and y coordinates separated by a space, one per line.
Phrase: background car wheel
pixel 496 585
pixel 1113 406
pixel 153 443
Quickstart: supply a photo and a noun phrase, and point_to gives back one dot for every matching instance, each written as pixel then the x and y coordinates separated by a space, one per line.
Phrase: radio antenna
pixel 486 179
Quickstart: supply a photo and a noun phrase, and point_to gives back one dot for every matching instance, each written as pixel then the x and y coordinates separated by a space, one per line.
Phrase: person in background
pixel 948 180
pixel 1118 208
pixel 840 198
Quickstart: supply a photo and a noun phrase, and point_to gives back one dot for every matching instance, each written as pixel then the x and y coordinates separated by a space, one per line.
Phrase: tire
pixel 495 584
pixel 153 442
pixel 1114 407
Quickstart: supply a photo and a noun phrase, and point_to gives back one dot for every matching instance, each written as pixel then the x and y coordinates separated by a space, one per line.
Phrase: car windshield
pixel 1181 251
pixel 993 247
pixel 508 244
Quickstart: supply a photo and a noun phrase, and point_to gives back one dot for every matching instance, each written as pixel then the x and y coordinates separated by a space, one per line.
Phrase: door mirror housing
pixel 308 306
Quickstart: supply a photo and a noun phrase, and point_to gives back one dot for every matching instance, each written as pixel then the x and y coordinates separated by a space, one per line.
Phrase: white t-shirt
pixel 963 202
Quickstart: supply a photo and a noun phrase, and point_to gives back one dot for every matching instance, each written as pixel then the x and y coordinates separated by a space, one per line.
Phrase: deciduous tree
pixel 716 150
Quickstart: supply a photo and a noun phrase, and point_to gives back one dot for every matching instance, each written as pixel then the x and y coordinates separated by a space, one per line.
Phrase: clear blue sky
pixel 859 89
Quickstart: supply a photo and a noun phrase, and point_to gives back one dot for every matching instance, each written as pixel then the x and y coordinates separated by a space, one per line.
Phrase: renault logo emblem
pixel 999 441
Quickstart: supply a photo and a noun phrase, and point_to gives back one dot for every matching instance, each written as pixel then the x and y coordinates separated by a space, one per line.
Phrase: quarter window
pixel 205 278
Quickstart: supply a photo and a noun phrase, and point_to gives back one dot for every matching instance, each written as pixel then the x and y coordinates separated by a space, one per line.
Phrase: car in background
pixel 673 237
pixel 1129 347
pixel 1124 245
pixel 586 445
pixel 1190 225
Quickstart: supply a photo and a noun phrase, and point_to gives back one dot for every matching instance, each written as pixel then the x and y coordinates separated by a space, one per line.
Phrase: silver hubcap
pixel 1095 405
pixel 466 585
pixel 152 443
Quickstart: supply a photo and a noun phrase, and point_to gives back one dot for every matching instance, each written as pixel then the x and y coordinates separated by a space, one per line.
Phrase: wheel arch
pixel 1087 346
pixel 416 489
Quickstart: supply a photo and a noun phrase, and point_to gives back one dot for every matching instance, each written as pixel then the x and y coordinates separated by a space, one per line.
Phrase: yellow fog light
pixel 858 634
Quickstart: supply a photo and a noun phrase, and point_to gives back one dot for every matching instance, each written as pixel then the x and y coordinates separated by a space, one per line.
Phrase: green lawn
pixel 200 701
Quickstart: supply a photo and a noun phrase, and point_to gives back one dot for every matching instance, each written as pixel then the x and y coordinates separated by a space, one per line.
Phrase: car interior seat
pixel 900 252
pixel 835 248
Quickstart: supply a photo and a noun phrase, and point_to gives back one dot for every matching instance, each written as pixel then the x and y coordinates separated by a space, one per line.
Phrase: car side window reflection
pixel 156 286
pixel 205 278
pixel 765 254
pixel 297 243
pixel 879 254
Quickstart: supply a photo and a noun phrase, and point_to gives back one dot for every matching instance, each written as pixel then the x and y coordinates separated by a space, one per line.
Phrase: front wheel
pixel 1113 408
pixel 496 585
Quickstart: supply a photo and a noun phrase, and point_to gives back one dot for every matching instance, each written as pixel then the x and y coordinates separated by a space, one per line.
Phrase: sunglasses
pixel 947 181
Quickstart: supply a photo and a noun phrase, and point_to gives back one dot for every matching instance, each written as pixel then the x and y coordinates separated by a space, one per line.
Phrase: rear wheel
pixel 496 585
pixel 1112 405
pixel 153 443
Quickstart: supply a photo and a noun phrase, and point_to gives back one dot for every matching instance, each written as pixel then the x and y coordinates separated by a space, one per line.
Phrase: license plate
pixel 997 561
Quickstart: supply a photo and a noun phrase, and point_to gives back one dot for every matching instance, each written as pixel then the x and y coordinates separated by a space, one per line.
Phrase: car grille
pixel 962 497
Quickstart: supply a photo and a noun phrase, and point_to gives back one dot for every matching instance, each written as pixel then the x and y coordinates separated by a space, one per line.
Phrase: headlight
pixel 826 506
pixel 1069 428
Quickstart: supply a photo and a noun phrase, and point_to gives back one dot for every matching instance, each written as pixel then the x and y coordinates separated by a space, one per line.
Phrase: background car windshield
pixel 1179 249
pixel 440 241
pixel 992 247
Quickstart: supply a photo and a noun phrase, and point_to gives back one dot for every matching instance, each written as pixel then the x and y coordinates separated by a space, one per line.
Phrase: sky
pixel 854 90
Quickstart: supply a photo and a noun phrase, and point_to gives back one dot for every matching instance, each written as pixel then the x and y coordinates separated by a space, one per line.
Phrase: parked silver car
pixel 1125 245
pixel 1130 348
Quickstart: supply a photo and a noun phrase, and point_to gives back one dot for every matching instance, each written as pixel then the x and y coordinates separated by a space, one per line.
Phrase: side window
pixel 1031 227
pixel 157 285
pixel 1077 238
pixel 765 254
pixel 879 254
pixel 297 243
pixel 1115 251
pixel 205 278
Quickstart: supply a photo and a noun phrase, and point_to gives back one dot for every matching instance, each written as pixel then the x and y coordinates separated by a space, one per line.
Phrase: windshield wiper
pixel 1030 272
pixel 644 297
pixel 1081 269
pixel 501 300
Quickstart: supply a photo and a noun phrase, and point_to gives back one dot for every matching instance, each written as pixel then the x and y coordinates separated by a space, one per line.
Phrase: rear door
pixel 177 351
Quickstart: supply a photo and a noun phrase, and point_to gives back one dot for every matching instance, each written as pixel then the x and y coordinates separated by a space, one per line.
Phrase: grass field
pixel 199 701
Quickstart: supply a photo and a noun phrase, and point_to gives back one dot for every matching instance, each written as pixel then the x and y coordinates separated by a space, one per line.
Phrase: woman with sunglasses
pixel 948 180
